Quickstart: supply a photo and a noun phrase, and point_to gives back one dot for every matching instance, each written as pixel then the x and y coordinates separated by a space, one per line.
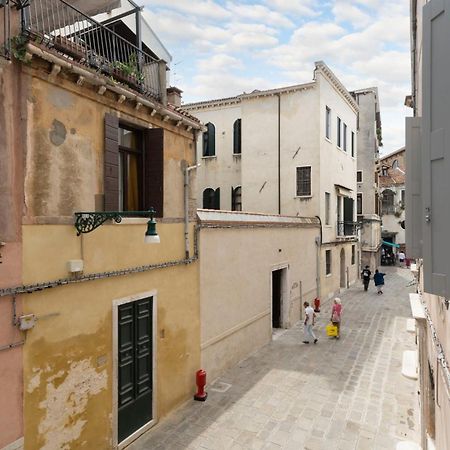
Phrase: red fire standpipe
pixel 317 304
pixel 200 379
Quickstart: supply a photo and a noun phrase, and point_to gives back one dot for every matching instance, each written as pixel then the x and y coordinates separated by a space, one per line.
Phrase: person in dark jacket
pixel 378 278
pixel 365 274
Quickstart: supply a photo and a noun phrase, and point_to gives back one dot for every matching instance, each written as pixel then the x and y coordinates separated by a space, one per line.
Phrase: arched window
pixel 237 137
pixel 236 198
pixel 209 140
pixel 211 198
pixel 395 164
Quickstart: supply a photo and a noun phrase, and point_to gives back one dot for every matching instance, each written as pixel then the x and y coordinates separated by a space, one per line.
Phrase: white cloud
pixel 259 13
pixel 202 8
pixel 298 7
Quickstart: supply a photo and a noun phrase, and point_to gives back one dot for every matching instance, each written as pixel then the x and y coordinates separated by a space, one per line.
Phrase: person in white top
pixel 401 257
pixel 310 317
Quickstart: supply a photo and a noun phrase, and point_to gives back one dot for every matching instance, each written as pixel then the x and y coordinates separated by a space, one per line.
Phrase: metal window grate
pixel 303 181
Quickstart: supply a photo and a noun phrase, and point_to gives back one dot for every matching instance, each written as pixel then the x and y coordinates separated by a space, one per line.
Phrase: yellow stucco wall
pixel 68 355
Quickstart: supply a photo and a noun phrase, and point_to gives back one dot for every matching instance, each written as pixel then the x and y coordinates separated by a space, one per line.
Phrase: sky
pixel 222 48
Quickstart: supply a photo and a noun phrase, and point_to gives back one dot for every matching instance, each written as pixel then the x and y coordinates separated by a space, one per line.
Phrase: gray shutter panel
pixel 111 163
pixel 154 170
pixel 436 145
pixel 414 206
pixel 233 199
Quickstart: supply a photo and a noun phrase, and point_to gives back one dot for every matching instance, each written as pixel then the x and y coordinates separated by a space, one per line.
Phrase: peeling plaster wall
pixel 68 356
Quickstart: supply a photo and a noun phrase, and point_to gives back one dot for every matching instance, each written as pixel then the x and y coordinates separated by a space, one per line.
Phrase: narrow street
pixel 339 394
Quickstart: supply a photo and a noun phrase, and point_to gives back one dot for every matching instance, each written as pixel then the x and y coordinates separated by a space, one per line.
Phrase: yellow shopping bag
pixel 331 330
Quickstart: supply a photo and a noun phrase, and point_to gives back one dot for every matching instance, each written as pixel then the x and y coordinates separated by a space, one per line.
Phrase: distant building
pixel 289 151
pixel 393 200
pixel 367 205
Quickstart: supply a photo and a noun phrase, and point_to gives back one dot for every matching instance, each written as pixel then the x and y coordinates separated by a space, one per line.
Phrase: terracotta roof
pixel 182 112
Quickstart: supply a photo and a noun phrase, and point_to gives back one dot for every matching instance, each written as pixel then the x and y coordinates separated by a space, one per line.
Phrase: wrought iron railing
pixel 5 27
pixel 71 33
pixel 347 228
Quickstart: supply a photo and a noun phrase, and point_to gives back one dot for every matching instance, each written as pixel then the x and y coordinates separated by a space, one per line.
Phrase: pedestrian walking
pixel 401 258
pixel 378 279
pixel 365 274
pixel 336 313
pixel 310 318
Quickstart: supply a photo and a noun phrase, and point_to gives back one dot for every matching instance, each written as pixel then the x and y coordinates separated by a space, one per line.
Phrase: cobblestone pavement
pixel 339 394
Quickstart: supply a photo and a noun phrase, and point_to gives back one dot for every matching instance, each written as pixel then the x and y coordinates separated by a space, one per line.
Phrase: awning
pixel 391 244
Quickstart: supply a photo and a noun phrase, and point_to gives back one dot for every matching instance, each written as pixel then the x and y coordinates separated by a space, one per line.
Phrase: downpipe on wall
pixel 187 170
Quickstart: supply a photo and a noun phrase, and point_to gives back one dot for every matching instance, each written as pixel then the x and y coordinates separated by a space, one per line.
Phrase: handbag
pixel 336 317
pixel 331 330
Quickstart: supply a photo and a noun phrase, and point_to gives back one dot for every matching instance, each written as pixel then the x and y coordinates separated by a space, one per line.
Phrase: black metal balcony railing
pixel 68 31
pixel 347 228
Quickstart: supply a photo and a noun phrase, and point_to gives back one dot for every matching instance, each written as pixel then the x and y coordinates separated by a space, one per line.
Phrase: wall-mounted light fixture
pixel 85 222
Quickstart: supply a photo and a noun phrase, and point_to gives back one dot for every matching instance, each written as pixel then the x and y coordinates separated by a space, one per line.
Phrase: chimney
pixel 174 96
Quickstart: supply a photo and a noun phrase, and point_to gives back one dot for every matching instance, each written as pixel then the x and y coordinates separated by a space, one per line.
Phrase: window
pixel 237 138
pixel 209 140
pixel 359 176
pixel 353 254
pixel 339 132
pixel 384 171
pixel 359 204
pixel 328 123
pixel 236 198
pixel 211 198
pixel 328 262
pixel 130 169
pixel 303 181
pixel 395 164
pixel 387 202
pixel 133 167
pixel 353 144
pixel 403 198
pixel 327 208
pixel 344 132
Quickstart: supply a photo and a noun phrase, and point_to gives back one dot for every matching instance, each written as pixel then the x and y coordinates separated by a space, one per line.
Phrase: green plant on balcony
pixel 128 72
pixel 17 47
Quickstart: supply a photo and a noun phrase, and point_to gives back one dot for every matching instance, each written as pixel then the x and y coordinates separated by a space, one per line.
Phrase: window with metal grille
pixel 359 176
pixel 328 262
pixel 303 181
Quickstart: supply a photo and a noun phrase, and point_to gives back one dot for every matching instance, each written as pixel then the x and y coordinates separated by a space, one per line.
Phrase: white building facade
pixel 289 151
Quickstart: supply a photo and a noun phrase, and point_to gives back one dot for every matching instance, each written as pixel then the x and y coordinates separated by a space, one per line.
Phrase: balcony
pixel 63 29
pixel 347 229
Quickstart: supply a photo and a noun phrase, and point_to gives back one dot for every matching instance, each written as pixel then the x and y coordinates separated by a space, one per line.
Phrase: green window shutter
pixel 211 139
pixel 217 199
pixel 237 136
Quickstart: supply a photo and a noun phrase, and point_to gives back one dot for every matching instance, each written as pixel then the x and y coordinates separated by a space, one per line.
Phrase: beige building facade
pixel 289 151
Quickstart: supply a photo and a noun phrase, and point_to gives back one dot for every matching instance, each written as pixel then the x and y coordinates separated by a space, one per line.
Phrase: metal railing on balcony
pixel 347 228
pixel 63 28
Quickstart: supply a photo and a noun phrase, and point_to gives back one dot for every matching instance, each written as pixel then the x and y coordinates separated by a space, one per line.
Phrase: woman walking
pixel 378 279
pixel 336 313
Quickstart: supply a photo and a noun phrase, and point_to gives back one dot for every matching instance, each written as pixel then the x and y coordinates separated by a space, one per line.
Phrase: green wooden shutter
pixel 216 199
pixel 111 163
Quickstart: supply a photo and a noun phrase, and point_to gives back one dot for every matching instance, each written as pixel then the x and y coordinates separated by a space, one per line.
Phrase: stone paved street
pixel 339 394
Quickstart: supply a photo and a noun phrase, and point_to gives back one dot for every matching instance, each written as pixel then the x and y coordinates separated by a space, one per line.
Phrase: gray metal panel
pixel 436 147
pixel 414 206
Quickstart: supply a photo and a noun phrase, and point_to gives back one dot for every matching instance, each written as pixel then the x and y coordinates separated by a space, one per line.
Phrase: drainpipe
pixel 279 153
pixel 318 248
pixel 186 208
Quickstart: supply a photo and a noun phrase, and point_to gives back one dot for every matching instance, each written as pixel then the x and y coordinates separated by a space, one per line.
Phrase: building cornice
pixel 333 79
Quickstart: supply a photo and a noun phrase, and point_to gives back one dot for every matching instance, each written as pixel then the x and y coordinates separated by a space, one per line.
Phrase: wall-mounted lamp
pixel 85 222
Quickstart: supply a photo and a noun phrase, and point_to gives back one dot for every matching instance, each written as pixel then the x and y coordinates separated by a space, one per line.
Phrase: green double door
pixel 135 383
